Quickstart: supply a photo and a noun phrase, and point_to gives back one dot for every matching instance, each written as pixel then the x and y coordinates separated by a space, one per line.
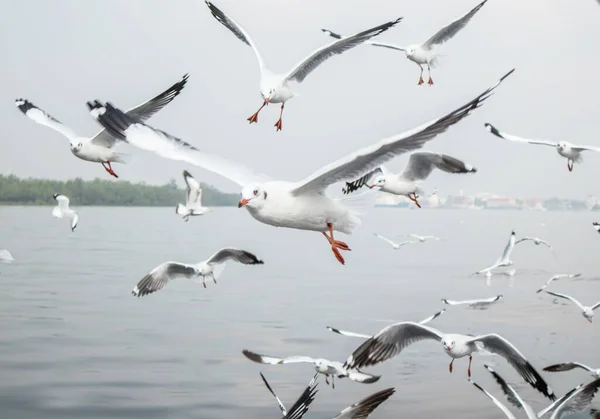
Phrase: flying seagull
pixel 300 205
pixel 101 147
pixel 393 339
pixel 572 365
pixel 275 88
pixel 480 303
pixel 422 54
pixel 193 203
pixel 322 366
pixel 62 210
pixel 423 239
pixel 567 150
pixel 586 311
pixel 212 267
pixel 395 245
pixel 419 167
pixel 556 277
pixel 301 406
pixel 503 260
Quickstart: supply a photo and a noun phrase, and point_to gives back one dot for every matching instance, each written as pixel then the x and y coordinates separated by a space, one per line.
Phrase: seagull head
pixel 562 146
pixel 76 146
pixel 410 50
pixel 588 313
pixel 378 183
pixel 252 196
pixel 448 344
pixel 267 93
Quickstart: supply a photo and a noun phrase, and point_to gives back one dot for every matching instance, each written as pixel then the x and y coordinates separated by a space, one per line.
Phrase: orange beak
pixel 243 202
pixel 371 186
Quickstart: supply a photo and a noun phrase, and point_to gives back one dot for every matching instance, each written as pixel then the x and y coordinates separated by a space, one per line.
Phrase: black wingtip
pixel 187 174
pixel 24 105
pixel 508 74
pixel 55 195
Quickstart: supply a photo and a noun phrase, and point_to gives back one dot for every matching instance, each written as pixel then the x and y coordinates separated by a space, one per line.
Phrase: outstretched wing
pixel 566 297
pixel 497 402
pixel 237 255
pixel 430 318
pixel 375 44
pixel 384 239
pixel 362 181
pixel 281 406
pixel 162 275
pixel 576 400
pixel 318 57
pixel 584 148
pixel 366 406
pixel 421 164
pixel 567 367
pixel 511 395
pixel 366 159
pixel 193 189
pixel 266 359
pixel 302 404
pixel 37 115
pixel 511 137
pixel 346 333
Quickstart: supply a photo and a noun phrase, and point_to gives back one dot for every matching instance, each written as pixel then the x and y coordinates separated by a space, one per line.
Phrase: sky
pixel 67 52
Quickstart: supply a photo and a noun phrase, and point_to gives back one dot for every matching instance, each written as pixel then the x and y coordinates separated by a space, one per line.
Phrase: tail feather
pixel 123 158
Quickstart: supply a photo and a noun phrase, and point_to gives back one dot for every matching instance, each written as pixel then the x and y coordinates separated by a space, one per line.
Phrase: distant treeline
pixel 14 190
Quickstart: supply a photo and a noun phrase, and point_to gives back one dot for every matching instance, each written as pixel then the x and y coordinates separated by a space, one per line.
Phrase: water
pixel 75 343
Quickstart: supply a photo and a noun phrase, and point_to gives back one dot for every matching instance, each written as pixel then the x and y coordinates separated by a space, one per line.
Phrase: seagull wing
pixel 63 202
pixel 162 275
pixel 389 342
pixel 421 164
pixel 266 359
pixel 350 334
pixel 281 405
pixel 366 406
pixel 385 239
pixel 510 137
pixel 302 404
pixel 555 403
pixel 567 367
pixel 145 137
pixel 511 395
pixel 585 148
pixel 578 400
pixel 497 402
pixel 74 221
pixel 446 33
pixel 39 116
pixel 318 57
pixel 193 189
pixel 566 297
pixel 237 30
pixel 238 255
pixel 476 301
pixel 509 248
pixel 497 344
pixel 366 159
pixel 6 257
pixel 362 181
pixel 384 45
pixel 430 318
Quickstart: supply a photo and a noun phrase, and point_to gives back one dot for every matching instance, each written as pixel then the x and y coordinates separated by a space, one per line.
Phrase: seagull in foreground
pixel 419 167
pixel 586 311
pixel 555 277
pixel 567 150
pixel 572 365
pixel 5 256
pixel 212 267
pixel 596 226
pixel 301 205
pixel 62 210
pixel 394 244
pixel 480 303
pixel 302 404
pixel 422 54
pixel 574 400
pixel 394 338
pixel 100 147
pixel 360 335
pixel 193 203
pixel 423 239
pixel 274 88
pixel 504 260
pixel 322 366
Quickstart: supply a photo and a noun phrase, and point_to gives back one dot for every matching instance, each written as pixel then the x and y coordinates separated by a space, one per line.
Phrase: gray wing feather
pixel 446 33
pixel 366 406
pixel 281 405
pixel 578 400
pixel 302 404
pixel 360 182
pixel 421 164
pixel 161 275
pixel 511 395
pixel 566 367
pixel 238 255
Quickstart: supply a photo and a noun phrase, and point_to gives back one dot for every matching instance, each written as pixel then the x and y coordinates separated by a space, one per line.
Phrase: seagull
pixel 596 226
pixel 391 340
pixel 567 150
pixel 363 336
pixel 364 408
pixel 419 167
pixel 504 260
pixel 423 239
pixel 574 400
pixel 572 365
pixel 394 244
pixel 586 311
pixel 536 240
pixel 422 54
pixel 300 205
pixel 274 88
pixel 301 406
pixel 5 256
pixel 322 366
pixel 62 210
pixel 193 204
pixel 555 277
pixel 212 267
pixel 480 303
pixel 100 147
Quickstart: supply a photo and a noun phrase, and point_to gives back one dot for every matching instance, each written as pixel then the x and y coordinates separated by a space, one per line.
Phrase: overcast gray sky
pixel 62 53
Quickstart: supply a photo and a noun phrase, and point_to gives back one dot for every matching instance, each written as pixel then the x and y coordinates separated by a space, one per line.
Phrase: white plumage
pixel 62 210
pixel 193 203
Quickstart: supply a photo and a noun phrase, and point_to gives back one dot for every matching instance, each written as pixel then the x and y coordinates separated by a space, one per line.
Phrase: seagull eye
pixel 255 192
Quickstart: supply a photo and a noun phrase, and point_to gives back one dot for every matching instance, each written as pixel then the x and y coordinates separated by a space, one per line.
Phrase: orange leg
pixel 278 123
pixel 420 77
pixel 336 245
pixel 414 198
pixel 469 369
pixel 570 165
pixel 450 366
pixel 254 117
pixel 109 169
pixel 430 81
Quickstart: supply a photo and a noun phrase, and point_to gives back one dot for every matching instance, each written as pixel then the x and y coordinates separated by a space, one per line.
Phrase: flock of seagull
pixel 305 205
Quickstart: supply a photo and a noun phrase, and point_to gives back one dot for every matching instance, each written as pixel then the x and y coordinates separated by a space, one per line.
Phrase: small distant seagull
pixel 536 240
pixel 193 203
pixel 363 336
pixel 596 226
pixel 419 167
pixel 422 54
pixel 423 239
pixel 555 277
pixel 481 303
pixel 212 267
pixel 510 272
pixel 504 260
pixel 100 147
pixel 364 408
pixel 393 339
pixel 5 256
pixel 322 366
pixel 567 150
pixel 572 365
pixel 586 311
pixel 62 210
pixel 394 244
pixel 274 88
pixel 574 400
pixel 301 406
